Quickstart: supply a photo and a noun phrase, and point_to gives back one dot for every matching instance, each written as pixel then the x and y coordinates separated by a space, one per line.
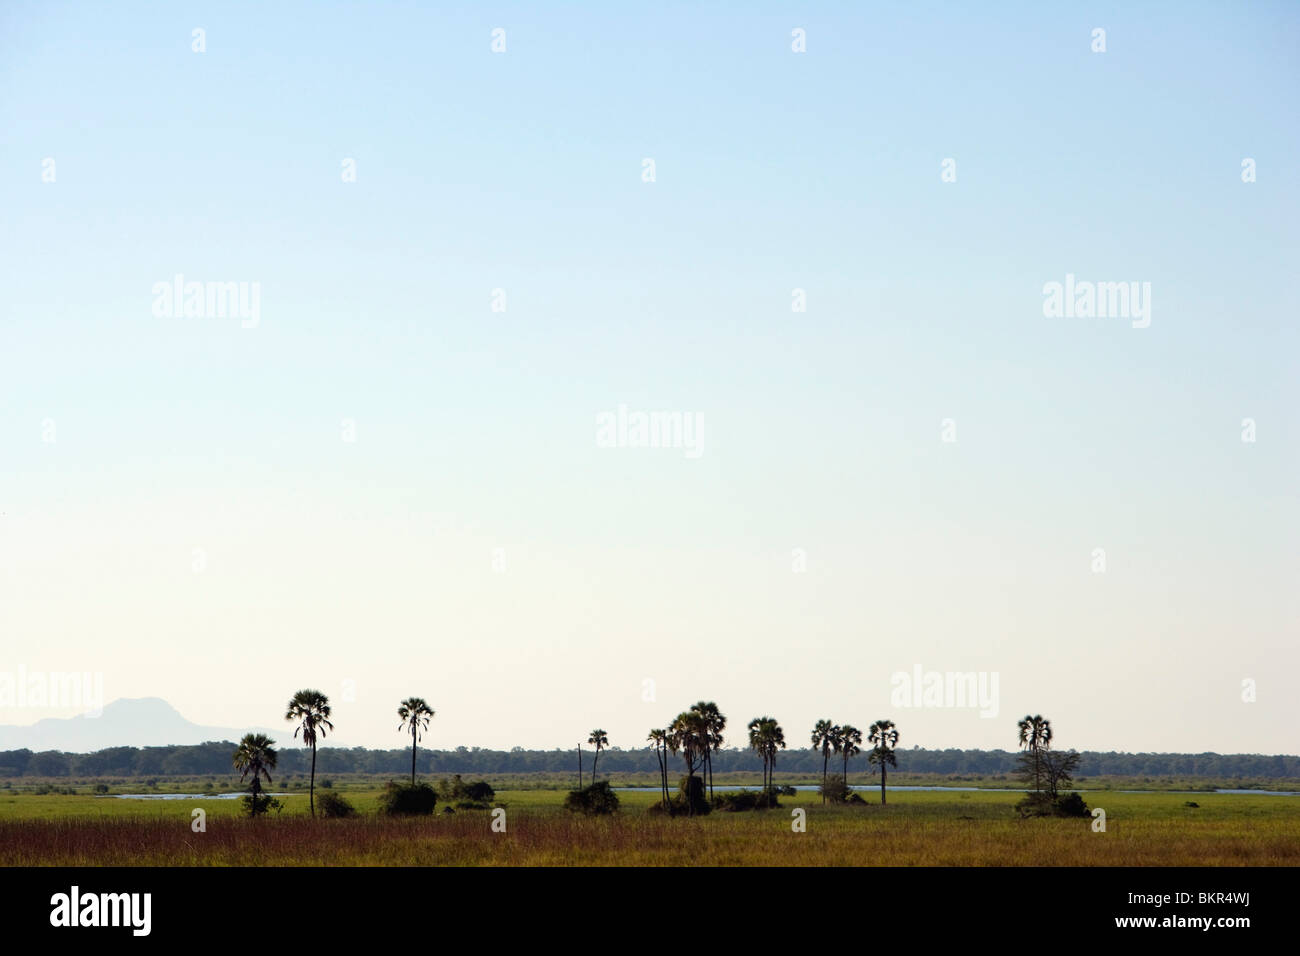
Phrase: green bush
pixel 407 799
pixel 595 800
pixel 335 805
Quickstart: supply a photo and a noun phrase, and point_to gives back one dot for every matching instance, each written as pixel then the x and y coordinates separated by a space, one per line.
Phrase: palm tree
pixel 659 738
pixel 766 736
pixel 884 738
pixel 689 736
pixel 826 738
pixel 850 739
pixel 415 714
pixel 255 756
pixel 1036 736
pixel 716 723
pixel 598 739
pixel 311 709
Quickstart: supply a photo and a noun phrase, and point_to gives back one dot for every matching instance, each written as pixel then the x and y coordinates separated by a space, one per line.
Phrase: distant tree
pixel 715 724
pixel 826 738
pixel 311 709
pixel 850 745
pixel 256 756
pixel 415 714
pixel 1035 737
pixel 598 740
pixel 766 737
pixel 884 738
pixel 659 738
pixel 1058 768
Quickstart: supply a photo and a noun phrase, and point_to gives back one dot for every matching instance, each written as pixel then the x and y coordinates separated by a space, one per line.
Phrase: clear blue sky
pixel 370 561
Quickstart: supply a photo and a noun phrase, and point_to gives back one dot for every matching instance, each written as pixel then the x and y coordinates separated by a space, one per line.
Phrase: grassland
pixel 915 828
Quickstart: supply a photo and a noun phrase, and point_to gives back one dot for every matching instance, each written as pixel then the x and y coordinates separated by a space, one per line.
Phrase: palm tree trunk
pixel 312 790
pixel 413 756
pixel 826 758
pixel 882 782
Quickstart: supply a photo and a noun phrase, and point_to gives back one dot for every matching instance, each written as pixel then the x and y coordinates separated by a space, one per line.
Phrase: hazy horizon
pixel 407 462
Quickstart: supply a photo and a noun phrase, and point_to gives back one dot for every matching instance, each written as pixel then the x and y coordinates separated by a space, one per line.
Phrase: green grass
pixel 925 828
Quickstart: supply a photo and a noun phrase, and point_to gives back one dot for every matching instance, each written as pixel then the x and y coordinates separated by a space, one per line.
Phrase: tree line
pixel 213 758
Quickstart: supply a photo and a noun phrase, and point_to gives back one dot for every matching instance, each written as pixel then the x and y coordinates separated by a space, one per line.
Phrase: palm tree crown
pixel 311 709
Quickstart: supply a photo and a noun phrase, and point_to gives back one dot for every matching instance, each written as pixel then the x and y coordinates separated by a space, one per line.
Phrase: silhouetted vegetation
pixel 474 795
pixel 407 799
pixel 335 806
pixel 213 760
pixel 836 790
pixel 256 757
pixel 595 799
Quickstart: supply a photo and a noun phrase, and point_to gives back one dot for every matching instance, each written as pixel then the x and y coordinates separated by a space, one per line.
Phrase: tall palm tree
pixel 415 714
pixel 766 736
pixel 850 740
pixel 884 738
pixel 255 756
pixel 715 723
pixel 311 709
pixel 826 738
pixel 597 739
pixel 659 738
pixel 1035 736
pixel 758 744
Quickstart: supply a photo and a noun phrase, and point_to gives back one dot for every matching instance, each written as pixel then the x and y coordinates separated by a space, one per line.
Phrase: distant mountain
pixel 129 722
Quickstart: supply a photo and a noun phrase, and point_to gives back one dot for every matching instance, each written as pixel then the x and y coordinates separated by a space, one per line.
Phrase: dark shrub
pixel 407 799
pixel 335 805
pixel 101 788
pixel 480 791
pixel 690 797
pixel 835 790
pixel 1040 804
pixel 594 800
pixel 474 792
pixel 1070 805
pixel 261 804
pixel 740 800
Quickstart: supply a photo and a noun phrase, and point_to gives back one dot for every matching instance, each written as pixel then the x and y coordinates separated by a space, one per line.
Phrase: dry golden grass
pixel 944 829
